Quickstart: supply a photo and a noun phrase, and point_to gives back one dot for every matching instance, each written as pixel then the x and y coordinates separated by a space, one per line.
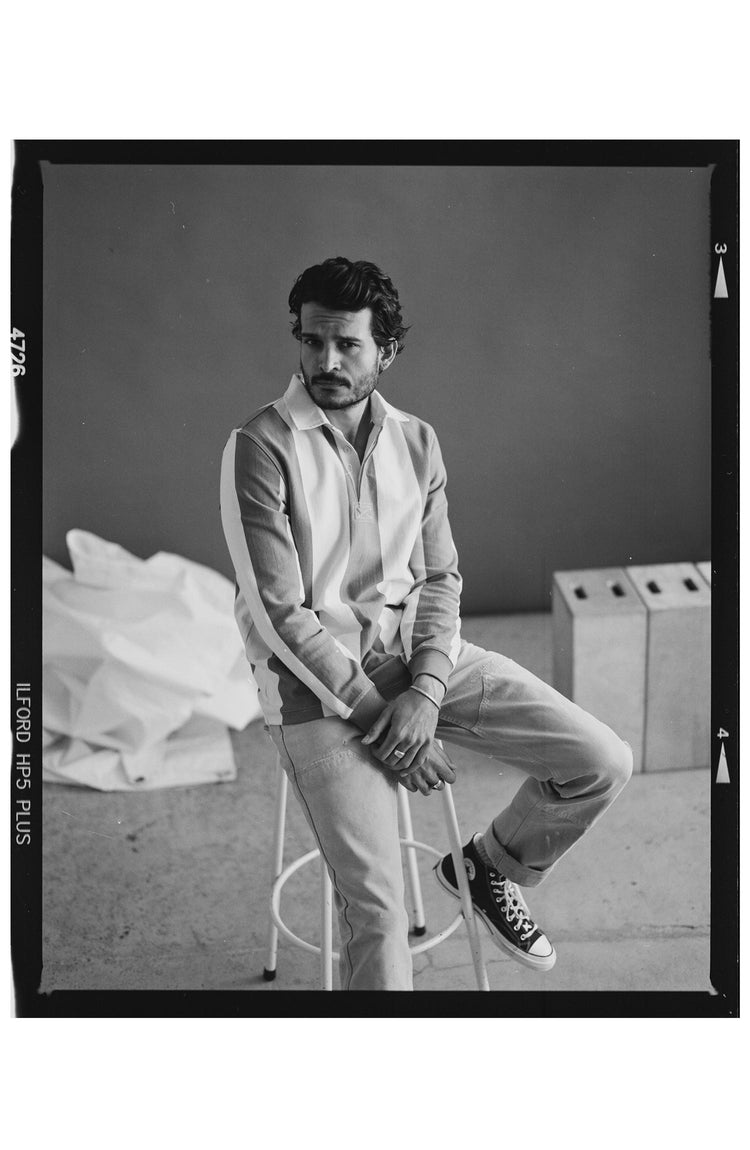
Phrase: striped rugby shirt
pixel 347 582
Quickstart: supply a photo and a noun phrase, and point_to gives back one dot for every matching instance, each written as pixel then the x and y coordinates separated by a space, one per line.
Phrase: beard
pixel 334 392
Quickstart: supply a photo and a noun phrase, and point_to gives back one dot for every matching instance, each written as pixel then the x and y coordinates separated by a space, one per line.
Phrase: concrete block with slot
pixel 678 665
pixel 705 570
pixel 599 659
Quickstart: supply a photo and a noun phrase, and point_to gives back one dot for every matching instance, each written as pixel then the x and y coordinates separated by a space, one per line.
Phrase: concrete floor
pixel 166 889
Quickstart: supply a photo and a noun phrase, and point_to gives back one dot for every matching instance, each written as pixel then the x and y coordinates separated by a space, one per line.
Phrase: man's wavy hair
pixel 343 285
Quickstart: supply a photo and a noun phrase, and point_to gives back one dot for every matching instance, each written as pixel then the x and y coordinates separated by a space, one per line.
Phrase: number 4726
pixel 18 351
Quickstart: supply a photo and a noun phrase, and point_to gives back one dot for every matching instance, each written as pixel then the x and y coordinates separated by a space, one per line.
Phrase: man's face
pixel 339 359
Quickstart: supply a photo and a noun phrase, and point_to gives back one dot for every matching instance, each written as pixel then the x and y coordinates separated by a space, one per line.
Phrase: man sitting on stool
pixel 334 510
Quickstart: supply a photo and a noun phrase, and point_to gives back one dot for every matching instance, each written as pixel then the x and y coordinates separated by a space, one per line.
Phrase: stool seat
pixel 410 845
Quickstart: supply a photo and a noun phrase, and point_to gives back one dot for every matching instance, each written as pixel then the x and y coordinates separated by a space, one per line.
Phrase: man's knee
pixel 614 761
pixel 378 922
pixel 375 901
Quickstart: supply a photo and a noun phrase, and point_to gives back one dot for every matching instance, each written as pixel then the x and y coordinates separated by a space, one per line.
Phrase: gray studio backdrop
pixel 559 345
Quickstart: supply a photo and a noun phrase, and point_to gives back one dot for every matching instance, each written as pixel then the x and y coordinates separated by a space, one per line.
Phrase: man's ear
pixel 387 354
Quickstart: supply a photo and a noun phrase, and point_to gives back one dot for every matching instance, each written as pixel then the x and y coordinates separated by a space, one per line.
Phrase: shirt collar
pixel 305 413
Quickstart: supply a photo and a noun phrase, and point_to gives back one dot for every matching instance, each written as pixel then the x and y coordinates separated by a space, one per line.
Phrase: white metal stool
pixel 327 954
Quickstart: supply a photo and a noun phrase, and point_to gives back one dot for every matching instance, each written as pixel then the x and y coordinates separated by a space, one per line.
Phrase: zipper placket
pixel 375 435
pixel 369 451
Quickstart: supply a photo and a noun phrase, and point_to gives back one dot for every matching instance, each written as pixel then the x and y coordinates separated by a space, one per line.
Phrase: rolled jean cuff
pixel 508 866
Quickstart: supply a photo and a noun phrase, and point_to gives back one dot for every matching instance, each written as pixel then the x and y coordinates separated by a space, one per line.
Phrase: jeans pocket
pixel 463 704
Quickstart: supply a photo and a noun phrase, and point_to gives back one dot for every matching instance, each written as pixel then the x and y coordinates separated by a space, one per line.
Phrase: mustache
pixel 323 377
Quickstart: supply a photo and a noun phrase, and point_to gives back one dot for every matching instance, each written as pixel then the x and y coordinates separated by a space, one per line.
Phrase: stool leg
pixel 454 839
pixel 412 871
pixel 269 970
pixel 326 929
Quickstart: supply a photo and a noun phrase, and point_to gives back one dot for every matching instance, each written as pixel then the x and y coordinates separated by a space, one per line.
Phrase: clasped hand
pixel 408 724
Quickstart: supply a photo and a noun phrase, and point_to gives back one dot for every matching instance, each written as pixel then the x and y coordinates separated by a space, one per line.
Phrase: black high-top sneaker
pixel 500 905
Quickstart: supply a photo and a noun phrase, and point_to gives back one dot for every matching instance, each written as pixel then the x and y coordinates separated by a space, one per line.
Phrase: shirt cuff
pixel 430 661
pixel 369 708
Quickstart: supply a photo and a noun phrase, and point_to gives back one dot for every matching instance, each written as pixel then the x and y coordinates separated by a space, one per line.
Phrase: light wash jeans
pixel 576 766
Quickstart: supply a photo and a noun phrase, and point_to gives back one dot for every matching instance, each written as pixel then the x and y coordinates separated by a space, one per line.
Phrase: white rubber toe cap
pixel 542 948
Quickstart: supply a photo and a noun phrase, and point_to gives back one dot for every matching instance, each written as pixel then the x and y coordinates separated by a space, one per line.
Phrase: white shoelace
pixel 515 910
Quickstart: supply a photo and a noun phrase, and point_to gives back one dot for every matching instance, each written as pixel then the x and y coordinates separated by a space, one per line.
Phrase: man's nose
pixel 330 358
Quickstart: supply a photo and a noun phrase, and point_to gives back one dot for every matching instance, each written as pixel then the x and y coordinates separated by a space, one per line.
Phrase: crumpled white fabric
pixel 143 670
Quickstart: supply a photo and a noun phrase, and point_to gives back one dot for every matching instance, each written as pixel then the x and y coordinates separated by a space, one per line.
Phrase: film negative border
pixel 722 157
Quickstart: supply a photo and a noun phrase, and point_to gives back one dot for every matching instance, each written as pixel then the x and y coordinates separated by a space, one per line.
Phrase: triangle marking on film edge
pixel 722 774
pixel 720 291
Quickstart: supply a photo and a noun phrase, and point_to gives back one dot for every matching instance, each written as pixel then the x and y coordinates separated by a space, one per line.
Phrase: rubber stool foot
pixel 268 975
pixel 419 931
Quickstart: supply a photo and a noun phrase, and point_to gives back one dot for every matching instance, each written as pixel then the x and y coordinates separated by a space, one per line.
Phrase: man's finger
pixel 446 773
pixel 438 755
pixel 442 765
pixel 416 764
pixel 390 743
pixel 442 771
pixel 405 761
pixel 378 727
pixel 425 779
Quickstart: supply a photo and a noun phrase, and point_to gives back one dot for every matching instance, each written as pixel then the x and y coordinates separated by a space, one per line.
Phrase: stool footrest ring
pixel 303 860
